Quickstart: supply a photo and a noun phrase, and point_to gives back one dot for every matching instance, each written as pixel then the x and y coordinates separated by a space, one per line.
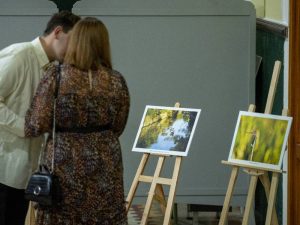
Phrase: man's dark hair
pixel 65 19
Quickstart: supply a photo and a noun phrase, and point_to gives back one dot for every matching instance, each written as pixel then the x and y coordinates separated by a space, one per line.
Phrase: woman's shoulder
pixel 112 74
pixel 118 77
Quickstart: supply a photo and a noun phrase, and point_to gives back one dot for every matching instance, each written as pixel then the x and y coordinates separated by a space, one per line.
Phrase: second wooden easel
pixel 156 188
pixel 255 173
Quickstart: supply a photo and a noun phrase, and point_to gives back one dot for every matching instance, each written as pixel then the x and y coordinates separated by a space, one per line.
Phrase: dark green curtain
pixel 270 46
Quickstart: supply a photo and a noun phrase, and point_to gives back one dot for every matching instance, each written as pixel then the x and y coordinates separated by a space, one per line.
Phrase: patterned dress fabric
pixel 89 165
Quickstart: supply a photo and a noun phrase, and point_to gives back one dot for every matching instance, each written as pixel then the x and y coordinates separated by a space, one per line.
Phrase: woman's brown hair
pixel 89 45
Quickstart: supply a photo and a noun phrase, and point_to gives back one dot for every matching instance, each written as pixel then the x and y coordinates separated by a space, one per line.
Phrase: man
pixel 21 68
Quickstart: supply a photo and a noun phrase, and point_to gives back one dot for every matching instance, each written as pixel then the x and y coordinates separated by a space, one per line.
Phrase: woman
pixel 91 112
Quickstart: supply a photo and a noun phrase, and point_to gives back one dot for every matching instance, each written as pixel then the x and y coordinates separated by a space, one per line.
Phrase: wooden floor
pixel 184 217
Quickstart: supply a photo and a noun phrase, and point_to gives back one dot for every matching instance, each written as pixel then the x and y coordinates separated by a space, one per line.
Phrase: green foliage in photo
pixel 166 129
pixel 259 139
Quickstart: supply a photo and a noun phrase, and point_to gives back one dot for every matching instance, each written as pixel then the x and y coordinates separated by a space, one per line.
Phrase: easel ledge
pixel 251 167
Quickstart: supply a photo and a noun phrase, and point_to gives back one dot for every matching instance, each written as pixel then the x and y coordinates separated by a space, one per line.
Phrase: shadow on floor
pixel 184 217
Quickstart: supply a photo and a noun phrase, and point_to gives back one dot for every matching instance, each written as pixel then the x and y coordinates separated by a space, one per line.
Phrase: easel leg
pixel 135 182
pixel 271 202
pixel 160 197
pixel 172 191
pixel 225 209
pixel 152 190
pixel 267 186
pixel 30 218
pixel 251 192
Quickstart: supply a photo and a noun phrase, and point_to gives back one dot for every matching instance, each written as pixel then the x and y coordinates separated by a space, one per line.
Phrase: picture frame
pixel 166 130
pixel 260 140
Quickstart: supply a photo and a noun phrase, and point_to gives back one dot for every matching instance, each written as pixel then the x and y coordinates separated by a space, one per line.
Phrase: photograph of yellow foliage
pixel 166 130
pixel 260 140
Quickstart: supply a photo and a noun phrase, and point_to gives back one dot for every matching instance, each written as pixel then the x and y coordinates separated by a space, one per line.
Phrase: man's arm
pixel 9 78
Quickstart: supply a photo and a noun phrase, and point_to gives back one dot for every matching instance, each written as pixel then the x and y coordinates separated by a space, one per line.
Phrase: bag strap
pixel 57 84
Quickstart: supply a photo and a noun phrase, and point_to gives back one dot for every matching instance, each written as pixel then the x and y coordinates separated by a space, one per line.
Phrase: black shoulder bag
pixel 43 186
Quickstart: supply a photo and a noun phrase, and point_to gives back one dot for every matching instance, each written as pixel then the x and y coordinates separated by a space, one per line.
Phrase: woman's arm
pixel 123 101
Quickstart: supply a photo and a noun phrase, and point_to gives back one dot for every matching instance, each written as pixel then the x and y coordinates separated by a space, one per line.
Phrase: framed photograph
pixel 260 140
pixel 166 130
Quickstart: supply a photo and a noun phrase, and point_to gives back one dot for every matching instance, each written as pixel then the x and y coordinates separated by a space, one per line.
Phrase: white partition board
pixel 198 52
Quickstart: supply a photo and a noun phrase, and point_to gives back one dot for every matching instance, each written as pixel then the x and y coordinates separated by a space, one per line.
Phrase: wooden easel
pixel 255 173
pixel 30 218
pixel 156 189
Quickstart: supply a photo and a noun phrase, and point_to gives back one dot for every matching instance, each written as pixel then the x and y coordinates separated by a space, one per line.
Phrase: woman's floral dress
pixel 88 164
